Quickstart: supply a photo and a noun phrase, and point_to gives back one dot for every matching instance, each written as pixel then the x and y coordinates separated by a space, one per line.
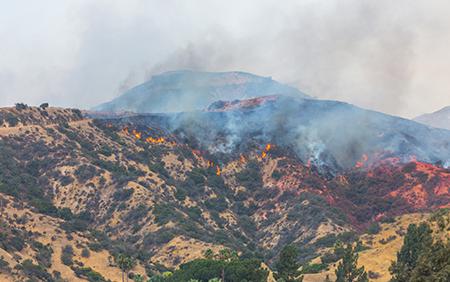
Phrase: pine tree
pixel 417 240
pixel 287 266
pixel 433 264
pixel 347 270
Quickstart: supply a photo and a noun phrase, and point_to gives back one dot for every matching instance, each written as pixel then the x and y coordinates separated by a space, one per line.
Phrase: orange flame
pixel 363 160
pixel 218 171
pixel 266 150
pixel 136 134
pixel 154 140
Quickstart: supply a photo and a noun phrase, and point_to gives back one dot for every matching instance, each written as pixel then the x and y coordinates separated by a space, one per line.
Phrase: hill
pixel 162 194
pixel 180 91
pixel 439 119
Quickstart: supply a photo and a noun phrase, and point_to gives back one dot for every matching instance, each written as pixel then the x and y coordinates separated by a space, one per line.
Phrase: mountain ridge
pixel 186 90
pixel 439 119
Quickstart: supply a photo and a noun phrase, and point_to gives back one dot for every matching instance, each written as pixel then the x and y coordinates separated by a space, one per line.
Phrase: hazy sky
pixel 391 56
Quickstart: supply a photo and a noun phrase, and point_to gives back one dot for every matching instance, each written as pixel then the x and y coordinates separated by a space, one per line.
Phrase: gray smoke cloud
pixel 389 56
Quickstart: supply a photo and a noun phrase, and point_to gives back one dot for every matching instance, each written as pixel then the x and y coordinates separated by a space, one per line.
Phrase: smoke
pixel 385 55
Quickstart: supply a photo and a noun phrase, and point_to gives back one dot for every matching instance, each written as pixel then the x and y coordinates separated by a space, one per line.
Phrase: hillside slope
pixel 135 186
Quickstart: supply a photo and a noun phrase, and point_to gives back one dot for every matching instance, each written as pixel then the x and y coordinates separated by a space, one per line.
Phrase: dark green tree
pixel 347 270
pixel 125 263
pixel 433 264
pixel 417 240
pixel 236 270
pixel 287 266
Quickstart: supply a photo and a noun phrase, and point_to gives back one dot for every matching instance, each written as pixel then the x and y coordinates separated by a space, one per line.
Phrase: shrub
pixel 164 213
pixel 123 194
pixel 4 265
pixel 374 228
pixel 34 271
pixel 314 268
pixel 67 255
pixel 384 241
pixel 85 253
pixel 85 172
pixel 89 274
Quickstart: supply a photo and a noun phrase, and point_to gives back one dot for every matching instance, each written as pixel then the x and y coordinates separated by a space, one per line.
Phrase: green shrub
pixel 67 255
pixel 374 228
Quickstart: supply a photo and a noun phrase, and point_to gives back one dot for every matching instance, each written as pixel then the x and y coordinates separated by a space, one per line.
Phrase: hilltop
pixel 186 90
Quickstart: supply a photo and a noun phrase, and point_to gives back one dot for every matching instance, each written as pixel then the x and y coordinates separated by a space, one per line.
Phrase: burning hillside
pixel 331 135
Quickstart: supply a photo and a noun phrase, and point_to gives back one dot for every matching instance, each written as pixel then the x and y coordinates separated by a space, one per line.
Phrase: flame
pixel 242 159
pixel 136 134
pixel 154 140
pixel 266 150
pixel 363 160
pixel 218 171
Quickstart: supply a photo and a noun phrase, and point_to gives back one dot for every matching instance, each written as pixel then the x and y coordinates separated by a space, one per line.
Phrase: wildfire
pixel 363 160
pixel 136 134
pixel 266 150
pixel 154 140
pixel 218 171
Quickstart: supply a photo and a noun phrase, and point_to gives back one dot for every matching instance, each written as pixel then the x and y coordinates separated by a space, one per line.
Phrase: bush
pixel 4 265
pixel 67 255
pixel 314 268
pixel 85 253
pixel 34 271
pixel 164 213
pixel 44 254
pixel 137 213
pixel 374 228
pixel 123 194
pixel 384 241
pixel 89 274
pixel 85 172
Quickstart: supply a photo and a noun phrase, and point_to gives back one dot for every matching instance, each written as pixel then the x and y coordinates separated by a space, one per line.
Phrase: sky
pixel 389 56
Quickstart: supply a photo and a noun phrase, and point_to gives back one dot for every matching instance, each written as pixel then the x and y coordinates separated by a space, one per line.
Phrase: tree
pixel 125 263
pixel 347 270
pixel 138 278
pixel 433 264
pixel 208 254
pixel 417 240
pixel 287 266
